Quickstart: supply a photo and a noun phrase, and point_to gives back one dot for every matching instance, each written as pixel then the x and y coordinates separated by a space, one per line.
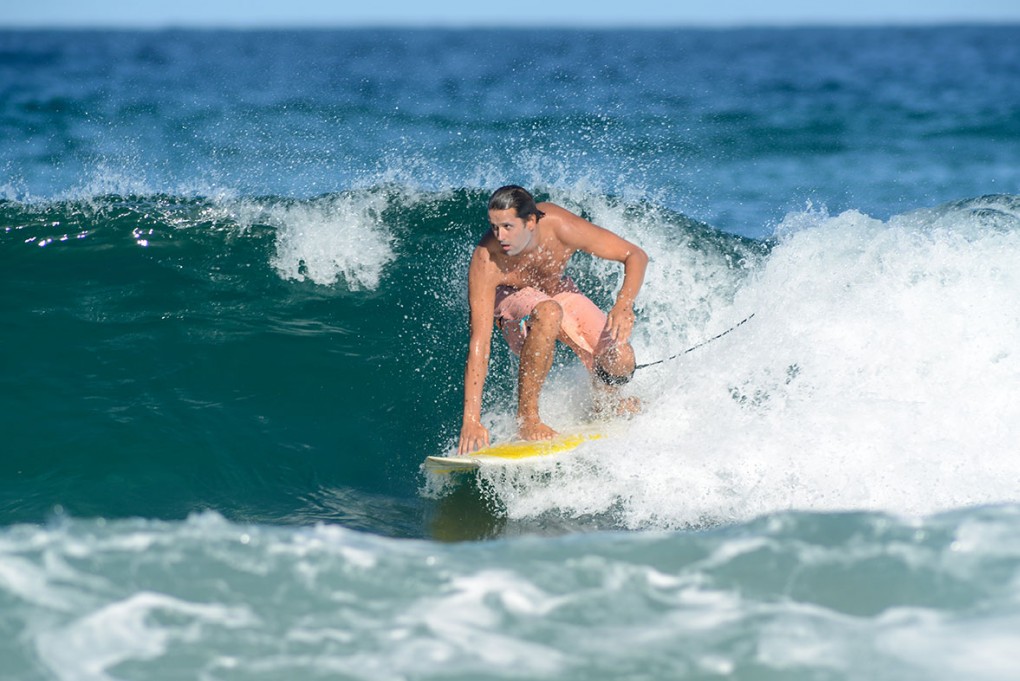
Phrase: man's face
pixel 514 234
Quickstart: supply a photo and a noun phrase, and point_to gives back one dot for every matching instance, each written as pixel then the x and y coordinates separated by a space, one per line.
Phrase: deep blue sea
pixel 233 322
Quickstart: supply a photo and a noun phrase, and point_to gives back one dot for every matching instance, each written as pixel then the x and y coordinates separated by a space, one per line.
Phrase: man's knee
pixel 615 364
pixel 547 315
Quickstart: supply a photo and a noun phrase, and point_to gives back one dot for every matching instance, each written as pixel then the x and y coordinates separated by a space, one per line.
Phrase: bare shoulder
pixel 570 229
pixel 484 267
pixel 573 231
pixel 555 213
pixel 484 252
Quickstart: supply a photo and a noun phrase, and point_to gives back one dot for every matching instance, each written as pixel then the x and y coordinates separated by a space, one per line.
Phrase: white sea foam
pixel 334 239
pixel 879 372
pixel 90 647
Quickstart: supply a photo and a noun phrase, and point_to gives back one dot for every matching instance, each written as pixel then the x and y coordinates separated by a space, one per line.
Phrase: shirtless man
pixel 516 279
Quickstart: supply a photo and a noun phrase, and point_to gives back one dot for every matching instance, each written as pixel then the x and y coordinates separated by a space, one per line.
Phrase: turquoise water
pixel 234 321
pixel 791 596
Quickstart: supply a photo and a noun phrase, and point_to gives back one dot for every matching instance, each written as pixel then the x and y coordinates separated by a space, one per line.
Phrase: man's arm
pixel 481 299
pixel 576 232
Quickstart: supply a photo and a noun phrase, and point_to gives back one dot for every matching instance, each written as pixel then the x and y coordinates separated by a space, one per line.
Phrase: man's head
pixel 516 198
pixel 513 216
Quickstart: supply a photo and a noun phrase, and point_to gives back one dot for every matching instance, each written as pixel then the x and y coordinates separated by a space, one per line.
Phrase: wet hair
pixel 518 198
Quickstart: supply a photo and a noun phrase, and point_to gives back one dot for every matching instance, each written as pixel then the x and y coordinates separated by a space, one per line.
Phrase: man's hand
pixel 473 436
pixel 620 322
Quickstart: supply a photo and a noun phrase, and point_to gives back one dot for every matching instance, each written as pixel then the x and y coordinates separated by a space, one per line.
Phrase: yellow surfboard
pixel 506 453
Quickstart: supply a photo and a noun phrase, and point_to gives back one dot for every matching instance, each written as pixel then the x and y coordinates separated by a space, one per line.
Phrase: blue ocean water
pixel 233 323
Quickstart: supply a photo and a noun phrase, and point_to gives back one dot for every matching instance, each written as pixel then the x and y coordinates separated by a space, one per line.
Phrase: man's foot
pixel 536 430
pixel 628 406
pixel 608 403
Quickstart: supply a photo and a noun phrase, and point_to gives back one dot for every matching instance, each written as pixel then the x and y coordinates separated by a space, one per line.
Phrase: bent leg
pixel 614 367
pixel 611 364
pixel 614 362
pixel 584 330
pixel 536 360
pixel 512 310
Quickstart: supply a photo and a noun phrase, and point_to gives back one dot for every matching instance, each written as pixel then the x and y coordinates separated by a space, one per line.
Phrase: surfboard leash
pixel 701 344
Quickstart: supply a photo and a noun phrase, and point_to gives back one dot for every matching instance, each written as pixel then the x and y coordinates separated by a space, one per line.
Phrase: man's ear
pixel 531 221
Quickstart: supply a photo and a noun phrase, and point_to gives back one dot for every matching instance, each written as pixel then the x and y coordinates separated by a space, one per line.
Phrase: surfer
pixel 517 280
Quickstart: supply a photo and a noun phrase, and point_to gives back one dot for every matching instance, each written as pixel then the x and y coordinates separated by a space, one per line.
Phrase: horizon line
pixel 934 22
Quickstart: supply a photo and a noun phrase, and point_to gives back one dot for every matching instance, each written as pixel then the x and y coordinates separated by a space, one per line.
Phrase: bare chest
pixel 543 270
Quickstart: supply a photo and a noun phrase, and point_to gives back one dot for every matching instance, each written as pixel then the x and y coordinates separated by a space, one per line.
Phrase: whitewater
pixel 877 373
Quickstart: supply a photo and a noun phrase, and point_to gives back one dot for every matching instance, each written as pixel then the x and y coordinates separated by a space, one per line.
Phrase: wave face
pixel 257 356
pixel 239 354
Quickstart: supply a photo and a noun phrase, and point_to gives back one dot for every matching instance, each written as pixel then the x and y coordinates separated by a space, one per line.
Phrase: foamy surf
pixel 793 595
pixel 878 373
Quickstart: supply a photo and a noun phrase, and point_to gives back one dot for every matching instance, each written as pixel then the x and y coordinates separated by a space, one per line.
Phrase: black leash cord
pixel 702 343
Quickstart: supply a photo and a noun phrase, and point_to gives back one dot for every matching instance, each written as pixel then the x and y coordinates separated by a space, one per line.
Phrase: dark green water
pixel 168 354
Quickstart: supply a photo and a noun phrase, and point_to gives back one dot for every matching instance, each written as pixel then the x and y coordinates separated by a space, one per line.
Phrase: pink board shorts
pixel 583 328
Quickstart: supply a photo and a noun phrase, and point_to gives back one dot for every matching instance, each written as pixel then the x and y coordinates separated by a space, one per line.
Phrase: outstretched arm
pixel 481 298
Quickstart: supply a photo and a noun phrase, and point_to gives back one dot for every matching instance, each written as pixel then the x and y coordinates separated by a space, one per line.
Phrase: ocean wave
pixel 279 347
pixel 877 369
pixel 329 240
